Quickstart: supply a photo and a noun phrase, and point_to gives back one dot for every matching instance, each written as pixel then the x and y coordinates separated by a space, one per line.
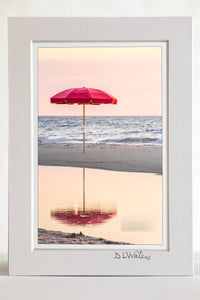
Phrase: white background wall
pixel 96 8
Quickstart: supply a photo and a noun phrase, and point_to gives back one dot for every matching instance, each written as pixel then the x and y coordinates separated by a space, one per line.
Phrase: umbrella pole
pixel 83 152
pixel 84 190
pixel 83 128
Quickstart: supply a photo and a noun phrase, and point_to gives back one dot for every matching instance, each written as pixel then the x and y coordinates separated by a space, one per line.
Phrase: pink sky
pixel 130 74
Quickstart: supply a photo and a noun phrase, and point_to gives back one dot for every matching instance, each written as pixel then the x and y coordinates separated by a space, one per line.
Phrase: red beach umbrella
pixel 83 96
pixel 88 217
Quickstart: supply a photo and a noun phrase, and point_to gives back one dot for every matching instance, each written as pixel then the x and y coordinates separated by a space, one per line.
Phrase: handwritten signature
pixel 137 254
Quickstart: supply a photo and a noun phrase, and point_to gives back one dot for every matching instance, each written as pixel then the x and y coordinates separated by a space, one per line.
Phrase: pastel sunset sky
pixel 130 74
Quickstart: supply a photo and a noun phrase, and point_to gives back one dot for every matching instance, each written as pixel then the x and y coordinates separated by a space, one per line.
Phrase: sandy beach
pixel 58 237
pixel 116 157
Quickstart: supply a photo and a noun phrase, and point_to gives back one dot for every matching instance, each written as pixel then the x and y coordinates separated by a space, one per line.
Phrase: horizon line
pixel 100 115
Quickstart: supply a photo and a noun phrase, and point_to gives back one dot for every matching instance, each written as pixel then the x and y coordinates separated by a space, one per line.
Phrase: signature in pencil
pixel 137 254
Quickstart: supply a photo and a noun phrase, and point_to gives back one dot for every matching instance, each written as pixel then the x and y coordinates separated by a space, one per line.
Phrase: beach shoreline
pixel 115 157
pixel 59 237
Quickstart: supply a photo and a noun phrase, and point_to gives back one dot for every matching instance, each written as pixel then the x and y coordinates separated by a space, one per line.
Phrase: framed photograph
pixel 100 146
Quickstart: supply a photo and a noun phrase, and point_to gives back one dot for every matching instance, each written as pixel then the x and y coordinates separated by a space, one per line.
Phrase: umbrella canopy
pixel 83 96
pixel 89 217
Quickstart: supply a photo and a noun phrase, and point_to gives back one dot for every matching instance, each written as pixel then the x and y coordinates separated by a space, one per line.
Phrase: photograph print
pixel 100 144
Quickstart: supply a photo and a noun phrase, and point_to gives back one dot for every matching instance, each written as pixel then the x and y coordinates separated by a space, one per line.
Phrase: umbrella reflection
pixel 87 217
pixel 83 216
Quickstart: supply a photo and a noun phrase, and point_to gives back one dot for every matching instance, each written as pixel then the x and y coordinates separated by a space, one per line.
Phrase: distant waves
pixel 101 129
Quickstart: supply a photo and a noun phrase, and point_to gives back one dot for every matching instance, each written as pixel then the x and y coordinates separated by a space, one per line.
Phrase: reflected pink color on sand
pixel 83 218
pixel 137 198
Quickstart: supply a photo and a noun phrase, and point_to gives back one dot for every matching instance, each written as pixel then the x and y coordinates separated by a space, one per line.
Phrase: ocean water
pixel 101 129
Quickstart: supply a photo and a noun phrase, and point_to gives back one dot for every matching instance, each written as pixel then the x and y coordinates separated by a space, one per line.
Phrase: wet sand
pixel 58 237
pixel 116 157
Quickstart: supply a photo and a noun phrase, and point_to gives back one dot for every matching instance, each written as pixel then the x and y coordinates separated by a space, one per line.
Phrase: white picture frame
pixel 176 259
